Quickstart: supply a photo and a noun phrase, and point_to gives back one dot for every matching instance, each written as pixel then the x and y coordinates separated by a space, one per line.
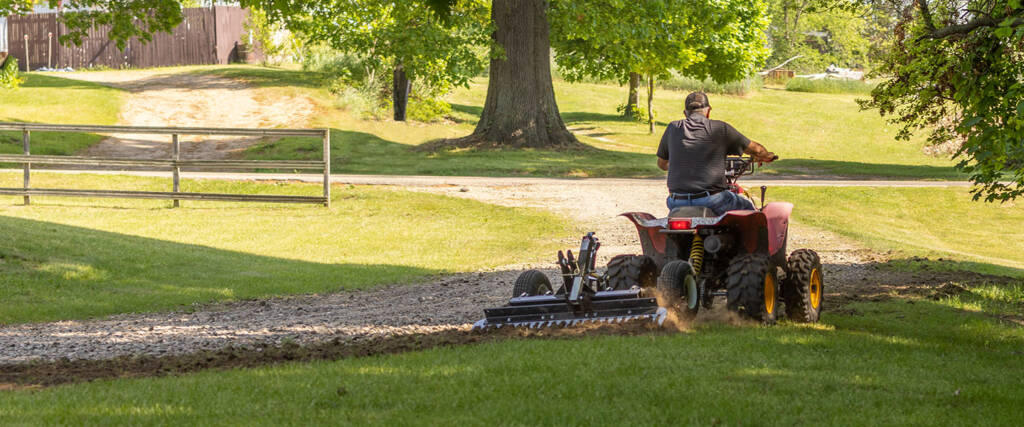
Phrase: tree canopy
pixel 723 40
pixel 438 50
pixel 956 71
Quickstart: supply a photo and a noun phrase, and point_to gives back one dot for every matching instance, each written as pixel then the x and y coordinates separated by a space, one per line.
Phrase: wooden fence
pixel 173 165
pixel 205 36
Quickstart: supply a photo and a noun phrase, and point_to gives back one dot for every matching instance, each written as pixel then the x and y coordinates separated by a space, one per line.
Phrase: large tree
pixel 622 40
pixel 956 71
pixel 520 109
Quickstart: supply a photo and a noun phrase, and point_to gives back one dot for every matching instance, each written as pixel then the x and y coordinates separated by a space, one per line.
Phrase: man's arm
pixel 663 151
pixel 759 153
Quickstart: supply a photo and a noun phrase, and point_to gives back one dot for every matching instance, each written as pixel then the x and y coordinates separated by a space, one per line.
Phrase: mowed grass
pixel 49 99
pixel 901 362
pixel 919 222
pixel 65 258
pixel 815 134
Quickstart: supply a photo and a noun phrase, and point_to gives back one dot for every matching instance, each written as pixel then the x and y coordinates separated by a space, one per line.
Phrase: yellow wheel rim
pixel 815 288
pixel 769 293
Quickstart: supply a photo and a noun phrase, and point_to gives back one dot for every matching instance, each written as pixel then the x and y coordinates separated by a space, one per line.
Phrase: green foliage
pixel 829 86
pixel 435 51
pixel 635 112
pixel 264 32
pixel 824 32
pixel 689 84
pixel 9 74
pixel 428 109
pixel 723 40
pixel 958 76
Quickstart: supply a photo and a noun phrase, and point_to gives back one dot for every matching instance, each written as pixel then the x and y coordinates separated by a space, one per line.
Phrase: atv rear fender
pixel 759 231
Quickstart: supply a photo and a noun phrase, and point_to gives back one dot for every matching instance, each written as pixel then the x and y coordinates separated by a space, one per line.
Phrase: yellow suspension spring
pixel 697 253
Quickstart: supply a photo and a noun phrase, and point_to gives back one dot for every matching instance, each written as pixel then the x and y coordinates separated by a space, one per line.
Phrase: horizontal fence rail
pixel 174 164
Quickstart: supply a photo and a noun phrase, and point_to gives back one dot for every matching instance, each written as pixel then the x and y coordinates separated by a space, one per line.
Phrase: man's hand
pixel 760 154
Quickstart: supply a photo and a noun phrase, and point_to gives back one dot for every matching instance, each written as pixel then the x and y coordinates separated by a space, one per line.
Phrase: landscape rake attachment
pixel 584 297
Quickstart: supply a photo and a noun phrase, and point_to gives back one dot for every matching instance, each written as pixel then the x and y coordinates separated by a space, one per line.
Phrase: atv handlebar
pixel 737 166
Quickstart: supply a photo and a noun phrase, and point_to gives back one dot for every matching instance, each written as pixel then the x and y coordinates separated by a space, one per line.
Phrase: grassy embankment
pixel 79 258
pixel 902 362
pixel 49 99
pixel 918 222
pixel 815 134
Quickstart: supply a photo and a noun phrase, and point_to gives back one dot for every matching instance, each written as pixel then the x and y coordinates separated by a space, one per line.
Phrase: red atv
pixel 689 257
pixel 740 255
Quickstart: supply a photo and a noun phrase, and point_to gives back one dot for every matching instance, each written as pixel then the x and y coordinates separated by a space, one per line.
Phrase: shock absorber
pixel 697 253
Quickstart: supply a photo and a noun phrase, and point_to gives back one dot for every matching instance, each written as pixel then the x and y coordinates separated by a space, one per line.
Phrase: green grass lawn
pixel 941 222
pixel 901 362
pixel 65 258
pixel 815 134
pixel 49 99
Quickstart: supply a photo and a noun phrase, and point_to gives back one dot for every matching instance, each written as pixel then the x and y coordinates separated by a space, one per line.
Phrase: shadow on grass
pixel 53 272
pixel 813 167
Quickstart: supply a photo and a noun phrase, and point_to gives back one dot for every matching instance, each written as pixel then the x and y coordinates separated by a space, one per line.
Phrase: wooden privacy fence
pixel 205 36
pixel 173 165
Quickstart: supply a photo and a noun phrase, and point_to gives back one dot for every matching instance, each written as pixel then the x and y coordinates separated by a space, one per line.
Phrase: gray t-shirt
pixel 695 149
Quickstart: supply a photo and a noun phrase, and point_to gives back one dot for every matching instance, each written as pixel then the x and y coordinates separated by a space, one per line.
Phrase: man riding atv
pixel 693 151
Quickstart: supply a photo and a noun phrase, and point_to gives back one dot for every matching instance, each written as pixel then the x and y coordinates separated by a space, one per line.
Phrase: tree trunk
pixel 520 109
pixel 634 91
pixel 650 99
pixel 400 88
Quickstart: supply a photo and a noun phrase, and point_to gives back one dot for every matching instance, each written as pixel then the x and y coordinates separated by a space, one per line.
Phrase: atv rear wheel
pixel 627 271
pixel 530 283
pixel 678 288
pixel 803 288
pixel 752 288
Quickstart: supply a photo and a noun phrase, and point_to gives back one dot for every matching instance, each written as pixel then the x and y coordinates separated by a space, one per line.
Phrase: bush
pixel 639 114
pixel 9 74
pixel 427 109
pixel 829 86
pixel 689 84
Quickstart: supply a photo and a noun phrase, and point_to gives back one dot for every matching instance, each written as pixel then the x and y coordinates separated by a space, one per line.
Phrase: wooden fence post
pixel 327 168
pixel 27 166
pixel 176 149
pixel 27 66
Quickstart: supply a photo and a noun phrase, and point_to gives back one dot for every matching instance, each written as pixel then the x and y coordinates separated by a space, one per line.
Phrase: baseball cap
pixel 696 101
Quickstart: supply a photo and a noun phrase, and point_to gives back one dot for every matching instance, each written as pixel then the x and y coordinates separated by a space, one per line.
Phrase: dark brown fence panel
pixel 205 36
pixel 39 45
pixel 230 32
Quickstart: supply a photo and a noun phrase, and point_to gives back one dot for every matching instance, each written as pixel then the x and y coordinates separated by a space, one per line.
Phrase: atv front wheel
pixel 803 288
pixel 627 271
pixel 752 288
pixel 678 287
pixel 530 283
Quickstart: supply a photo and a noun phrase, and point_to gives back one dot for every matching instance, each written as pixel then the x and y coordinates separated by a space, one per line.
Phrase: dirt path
pixel 195 100
pixel 439 304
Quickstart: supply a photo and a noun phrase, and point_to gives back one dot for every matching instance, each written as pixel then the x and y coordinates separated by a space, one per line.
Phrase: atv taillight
pixel 680 224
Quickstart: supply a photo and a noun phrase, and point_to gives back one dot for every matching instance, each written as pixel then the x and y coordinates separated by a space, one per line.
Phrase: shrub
pixel 689 84
pixel 829 86
pixel 639 113
pixel 427 109
pixel 9 74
